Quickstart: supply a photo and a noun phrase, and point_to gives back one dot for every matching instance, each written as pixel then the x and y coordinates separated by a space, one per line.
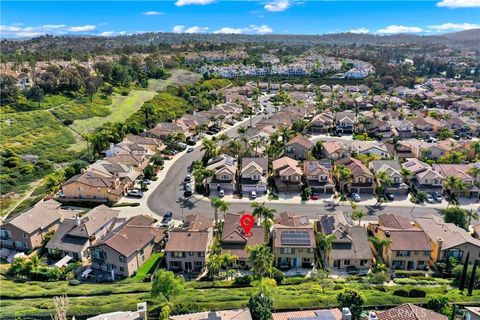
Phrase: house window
pixel 190 254
pixel 25 235
pixel 396 179
pixel 122 269
pixel 174 264
pixel 426 253
pixel 201 254
pixel 114 266
pixel 142 255
pixel 255 177
pixel 336 263
pixel 121 258
pixel 198 264
pixel 323 178
pixel 360 179
pixel 295 178
pixel 287 250
pixel 363 263
pixel 346 262
pixel 176 254
pixel 285 178
pixel 403 253
pixel 99 254
pixel 369 179
pixel 225 177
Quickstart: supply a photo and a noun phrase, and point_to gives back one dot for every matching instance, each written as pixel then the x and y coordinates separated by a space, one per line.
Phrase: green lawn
pixel 146 268
pixel 97 298
pixel 177 77
pixel 120 109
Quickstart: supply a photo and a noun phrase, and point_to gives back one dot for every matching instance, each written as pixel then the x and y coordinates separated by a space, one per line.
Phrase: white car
pixel 253 195
pixel 221 193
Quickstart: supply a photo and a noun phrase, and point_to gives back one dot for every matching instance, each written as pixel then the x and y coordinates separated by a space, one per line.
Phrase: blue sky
pixel 33 18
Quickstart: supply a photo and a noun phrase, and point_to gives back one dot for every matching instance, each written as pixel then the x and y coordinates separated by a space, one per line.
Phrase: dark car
pixel 314 196
pixel 389 196
pixel 167 217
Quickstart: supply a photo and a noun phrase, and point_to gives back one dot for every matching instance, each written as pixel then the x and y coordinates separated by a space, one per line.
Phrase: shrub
pixel 337 287
pixel 378 278
pixel 417 293
pixel 74 282
pixel 245 280
pixel 400 293
pixel 277 275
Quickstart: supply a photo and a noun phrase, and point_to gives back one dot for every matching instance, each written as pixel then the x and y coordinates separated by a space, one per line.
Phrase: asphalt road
pixel 169 195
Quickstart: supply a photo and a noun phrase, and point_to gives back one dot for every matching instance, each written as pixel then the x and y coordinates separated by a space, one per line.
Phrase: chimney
pixel 372 316
pixel 346 314
pixel 78 220
pixel 440 246
pixel 142 310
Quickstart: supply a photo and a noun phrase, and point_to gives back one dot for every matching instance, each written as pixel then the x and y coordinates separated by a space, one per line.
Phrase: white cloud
pixel 181 3
pixel 112 33
pixel 392 29
pixel 277 5
pixel 178 29
pixel 53 26
pixel 196 29
pixel 251 29
pixel 84 28
pixel 359 30
pixel 152 13
pixel 452 4
pixel 454 26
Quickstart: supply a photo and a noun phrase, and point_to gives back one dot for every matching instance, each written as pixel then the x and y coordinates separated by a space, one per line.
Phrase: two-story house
pixel 225 172
pixel 235 241
pixel 123 250
pixel 447 240
pixel 369 148
pixel 293 241
pixel 27 230
pixel 403 129
pixel 350 248
pixel 75 236
pixel 461 171
pixel 424 178
pixel 287 175
pixel 318 175
pixel 345 121
pixel 322 123
pixel 393 169
pixel 335 149
pixel 254 174
pixel 362 180
pixel 409 248
pixel 188 247
pixel 298 147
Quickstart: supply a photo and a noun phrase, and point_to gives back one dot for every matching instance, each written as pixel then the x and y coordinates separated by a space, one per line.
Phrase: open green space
pixel 34 298
pixel 177 77
pixel 120 109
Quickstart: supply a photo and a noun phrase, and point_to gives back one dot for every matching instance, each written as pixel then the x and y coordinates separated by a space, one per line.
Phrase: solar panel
pixel 297 238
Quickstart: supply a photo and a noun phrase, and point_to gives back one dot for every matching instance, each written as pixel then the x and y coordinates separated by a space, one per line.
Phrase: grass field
pixel 177 77
pixel 34 298
pixel 120 109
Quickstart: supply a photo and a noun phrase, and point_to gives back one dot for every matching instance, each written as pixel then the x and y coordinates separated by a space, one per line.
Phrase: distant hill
pixel 467 35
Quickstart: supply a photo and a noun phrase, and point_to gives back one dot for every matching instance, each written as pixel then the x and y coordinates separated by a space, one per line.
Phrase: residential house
pixel 472 313
pixel 318 175
pixel 75 236
pixel 287 175
pixel 140 314
pixel 350 248
pixel 322 123
pixel 408 311
pixel 424 178
pixel 298 147
pixel 409 248
pixel 123 250
pixel 235 314
pixel 254 174
pixel 447 240
pixel 188 247
pixel 27 230
pixel 345 121
pixel 293 241
pixel 363 180
pixel 335 149
pixel 411 148
pixel 403 129
pixel 461 171
pixel 94 185
pixel 163 129
pixel 154 145
pixel 393 170
pixel 235 241
pixel 225 172
pixel 369 148
pixel 324 314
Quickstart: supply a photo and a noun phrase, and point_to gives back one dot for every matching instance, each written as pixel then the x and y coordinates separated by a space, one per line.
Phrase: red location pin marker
pixel 247 221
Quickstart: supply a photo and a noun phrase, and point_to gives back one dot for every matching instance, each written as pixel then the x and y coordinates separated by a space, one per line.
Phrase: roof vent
pixel 387 234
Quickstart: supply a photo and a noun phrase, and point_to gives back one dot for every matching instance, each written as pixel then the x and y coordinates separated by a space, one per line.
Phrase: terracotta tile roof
pixel 330 314
pixel 284 162
pixel 301 140
pixel 238 314
pixel 409 311
pixel 93 220
pixel 356 166
pixel 389 220
pixel 233 236
pixel 407 239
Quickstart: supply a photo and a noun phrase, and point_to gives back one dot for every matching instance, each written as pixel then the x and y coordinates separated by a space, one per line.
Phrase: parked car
pixel 146 181
pixel 314 196
pixel 188 178
pixel 190 149
pixel 253 195
pixel 437 196
pixel 430 198
pixel 356 197
pixel 389 196
pixel 339 132
pixel 221 193
pixel 135 193
pixel 167 219
pixel 210 133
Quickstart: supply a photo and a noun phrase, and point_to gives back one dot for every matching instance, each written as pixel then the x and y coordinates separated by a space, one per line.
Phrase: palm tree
pixel 454 185
pixel 234 147
pixel 406 175
pixel 224 206
pixel 325 242
pixel 476 148
pixel 379 244
pixel 471 215
pixel 218 204
pixel 343 176
pixel 255 143
pixel 357 214
pixel 243 131
pixel 474 172
pixel 383 180
pixel 260 258
pixel 35 263
pixel 262 212
pixel 210 147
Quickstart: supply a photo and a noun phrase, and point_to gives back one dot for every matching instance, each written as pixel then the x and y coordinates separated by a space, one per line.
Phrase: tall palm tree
pixel 454 186
pixel 476 148
pixel 210 147
pixel 255 143
pixel 379 244
pixel 325 243
pixel 357 214
pixel 406 175
pixel 243 132
pixel 383 181
pixel 216 203
pixel 474 172
pixel 223 207
pixel 472 215
pixel 260 258
pixel 343 176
